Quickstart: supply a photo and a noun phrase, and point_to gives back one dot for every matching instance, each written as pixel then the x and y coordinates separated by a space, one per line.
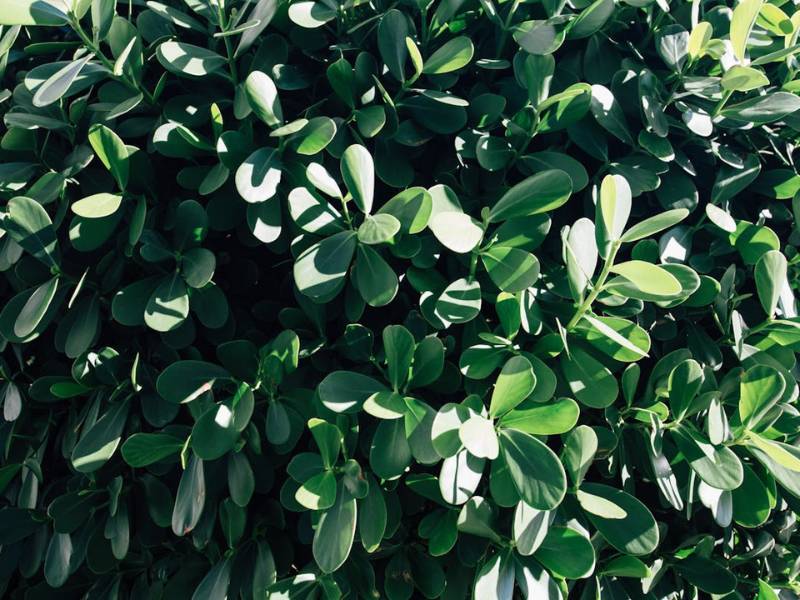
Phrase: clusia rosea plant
pixel 424 299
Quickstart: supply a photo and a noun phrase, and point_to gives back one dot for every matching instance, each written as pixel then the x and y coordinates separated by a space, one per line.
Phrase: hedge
pixel 420 299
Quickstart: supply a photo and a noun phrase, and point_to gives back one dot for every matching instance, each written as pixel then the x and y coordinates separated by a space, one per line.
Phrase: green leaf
pixel 535 470
pixel 389 453
pixel 590 381
pixel 618 338
pixel 451 56
pixel 620 518
pixel 33 12
pixel 111 151
pixel 144 449
pixel 456 231
pixel 706 574
pixel 318 493
pixel 591 19
pixel 763 109
pixel 185 59
pixel 770 275
pixel 262 96
pixel 552 418
pixel 654 224
pixel 566 553
pixel 685 381
pixel 612 211
pixel 765 591
pixel 760 388
pixel 718 466
pixel 311 14
pixel 479 437
pixel 459 476
pixel 97 206
pixel 460 302
pixel 168 305
pixel 784 455
pixel 215 583
pixel 372 517
pixel 29 225
pixel 743 79
pixel 57 85
pixel 358 173
pixel 530 528
pixel 315 136
pixel 320 271
pixel 99 443
pixel 648 278
pixel 215 433
pixel 257 178
pixel 580 447
pixel 742 21
pixel 515 383
pixel 190 498
pixel 346 391
pixel 511 269
pixel 186 380
pixel 328 439
pixel 539 193
pixel 392 33
pixel 609 114
pixel 561 110
pixel 35 308
pixel 374 278
pixel 751 500
pixel 378 229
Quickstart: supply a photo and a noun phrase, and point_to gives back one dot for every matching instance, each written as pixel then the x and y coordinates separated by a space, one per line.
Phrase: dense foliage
pixel 433 299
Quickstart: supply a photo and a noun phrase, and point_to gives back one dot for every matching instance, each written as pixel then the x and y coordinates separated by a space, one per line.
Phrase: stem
pixel 721 104
pixel 501 43
pixel 473 265
pixel 223 22
pixel 94 49
pixel 597 288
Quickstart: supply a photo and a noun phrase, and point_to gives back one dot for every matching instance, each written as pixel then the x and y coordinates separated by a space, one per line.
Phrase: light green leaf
pixel 515 383
pixel 770 275
pixel 742 21
pixel 97 206
pixel 358 172
pixel 98 444
pixel 374 278
pixel 612 211
pixel 760 388
pixel 539 193
pixel 654 224
pixel 262 96
pixel 185 59
pixel 57 85
pixel 33 12
pixel 620 518
pixel 648 278
pixel 320 271
pixel 511 269
pixel 552 418
pixel 452 56
pixel 35 308
pixel 456 231
pixel 111 151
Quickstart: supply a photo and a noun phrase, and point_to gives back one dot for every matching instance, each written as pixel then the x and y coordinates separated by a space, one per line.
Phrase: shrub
pixel 437 299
